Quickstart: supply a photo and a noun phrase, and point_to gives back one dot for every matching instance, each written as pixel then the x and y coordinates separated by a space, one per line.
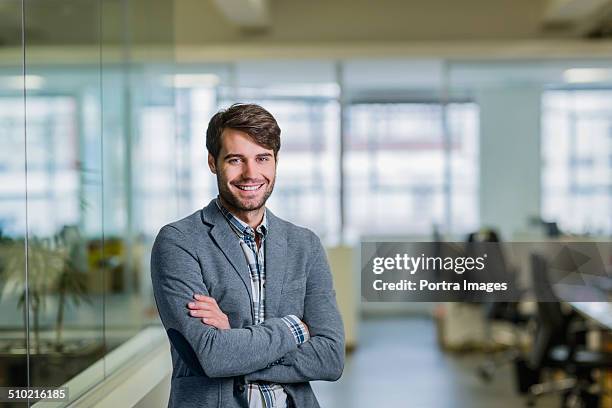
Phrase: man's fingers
pixel 203 298
pixel 206 308
pixel 202 313
pixel 200 306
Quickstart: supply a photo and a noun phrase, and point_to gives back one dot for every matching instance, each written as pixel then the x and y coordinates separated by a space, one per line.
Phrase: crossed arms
pixel 248 351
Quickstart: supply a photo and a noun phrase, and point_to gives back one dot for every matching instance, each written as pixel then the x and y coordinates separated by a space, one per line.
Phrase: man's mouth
pixel 248 187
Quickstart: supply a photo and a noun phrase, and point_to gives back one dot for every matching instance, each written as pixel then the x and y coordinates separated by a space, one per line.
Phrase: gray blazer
pixel 201 254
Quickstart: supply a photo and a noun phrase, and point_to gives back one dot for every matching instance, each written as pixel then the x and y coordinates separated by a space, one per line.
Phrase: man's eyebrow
pixel 231 155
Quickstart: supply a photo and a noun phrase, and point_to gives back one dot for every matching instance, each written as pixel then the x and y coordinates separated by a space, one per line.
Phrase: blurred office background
pixel 400 120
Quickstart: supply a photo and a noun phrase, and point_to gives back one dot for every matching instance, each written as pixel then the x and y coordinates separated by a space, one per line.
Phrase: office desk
pixel 600 312
pixel 597 306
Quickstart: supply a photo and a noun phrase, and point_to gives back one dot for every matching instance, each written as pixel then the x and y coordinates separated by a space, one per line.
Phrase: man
pixel 246 298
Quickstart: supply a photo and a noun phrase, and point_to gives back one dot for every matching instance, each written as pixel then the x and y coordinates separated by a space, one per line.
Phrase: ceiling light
pixel 17 82
pixel 586 75
pixel 192 80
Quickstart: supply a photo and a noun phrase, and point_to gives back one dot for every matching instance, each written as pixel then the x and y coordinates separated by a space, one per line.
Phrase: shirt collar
pixel 241 227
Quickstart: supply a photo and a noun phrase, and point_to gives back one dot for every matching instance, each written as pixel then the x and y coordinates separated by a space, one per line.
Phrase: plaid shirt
pixel 265 395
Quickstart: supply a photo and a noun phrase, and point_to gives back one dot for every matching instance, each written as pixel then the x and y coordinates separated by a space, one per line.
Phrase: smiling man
pixel 246 298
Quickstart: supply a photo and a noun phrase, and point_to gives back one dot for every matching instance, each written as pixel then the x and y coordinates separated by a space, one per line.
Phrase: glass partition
pixel 14 317
pixel 64 189
pixel 83 97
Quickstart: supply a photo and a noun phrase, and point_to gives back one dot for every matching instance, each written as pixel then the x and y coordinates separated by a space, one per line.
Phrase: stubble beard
pixel 236 203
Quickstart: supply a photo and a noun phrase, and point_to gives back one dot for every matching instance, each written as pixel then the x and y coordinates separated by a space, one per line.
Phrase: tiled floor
pixel 398 364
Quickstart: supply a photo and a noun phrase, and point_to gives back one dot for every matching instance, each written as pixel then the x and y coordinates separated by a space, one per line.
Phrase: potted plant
pixel 54 265
pixel 71 285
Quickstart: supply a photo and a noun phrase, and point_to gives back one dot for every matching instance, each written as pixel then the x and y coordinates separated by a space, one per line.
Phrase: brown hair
pixel 249 118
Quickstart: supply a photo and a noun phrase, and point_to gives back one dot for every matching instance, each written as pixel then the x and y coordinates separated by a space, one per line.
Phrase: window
pixel 577 160
pixel 403 175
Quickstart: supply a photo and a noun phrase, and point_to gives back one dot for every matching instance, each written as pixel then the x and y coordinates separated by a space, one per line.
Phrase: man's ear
pixel 211 164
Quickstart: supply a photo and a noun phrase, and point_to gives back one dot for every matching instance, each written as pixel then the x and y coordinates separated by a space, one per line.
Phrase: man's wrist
pixel 298 329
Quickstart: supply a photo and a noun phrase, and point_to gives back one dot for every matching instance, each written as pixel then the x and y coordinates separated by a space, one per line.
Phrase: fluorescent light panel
pixel 16 82
pixel 587 75
pixel 192 80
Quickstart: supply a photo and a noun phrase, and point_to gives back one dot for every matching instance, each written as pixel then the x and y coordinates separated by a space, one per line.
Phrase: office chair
pixel 556 347
pixel 498 310
pixel 508 312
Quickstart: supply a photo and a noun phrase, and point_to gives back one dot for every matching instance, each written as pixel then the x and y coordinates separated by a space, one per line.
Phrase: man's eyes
pixel 236 160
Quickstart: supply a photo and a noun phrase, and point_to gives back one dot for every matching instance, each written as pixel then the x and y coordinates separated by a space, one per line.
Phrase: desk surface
pixel 598 307
pixel 600 312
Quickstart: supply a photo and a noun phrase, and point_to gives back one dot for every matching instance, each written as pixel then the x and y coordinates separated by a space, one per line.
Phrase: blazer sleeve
pixel 176 277
pixel 322 356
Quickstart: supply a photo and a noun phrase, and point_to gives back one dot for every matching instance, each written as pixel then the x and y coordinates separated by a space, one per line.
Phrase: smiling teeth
pixel 248 188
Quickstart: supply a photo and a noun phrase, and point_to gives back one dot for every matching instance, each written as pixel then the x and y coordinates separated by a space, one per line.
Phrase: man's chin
pixel 249 204
pixel 242 206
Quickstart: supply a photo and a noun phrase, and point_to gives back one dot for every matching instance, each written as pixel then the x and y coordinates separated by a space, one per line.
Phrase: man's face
pixel 245 171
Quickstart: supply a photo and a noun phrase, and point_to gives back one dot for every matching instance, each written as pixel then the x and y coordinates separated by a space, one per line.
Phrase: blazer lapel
pixel 228 243
pixel 276 255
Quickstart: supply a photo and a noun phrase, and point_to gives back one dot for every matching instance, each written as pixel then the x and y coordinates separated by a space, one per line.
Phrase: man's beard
pixel 236 203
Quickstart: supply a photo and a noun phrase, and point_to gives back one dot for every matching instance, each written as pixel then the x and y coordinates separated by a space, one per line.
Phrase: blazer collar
pixel 275 252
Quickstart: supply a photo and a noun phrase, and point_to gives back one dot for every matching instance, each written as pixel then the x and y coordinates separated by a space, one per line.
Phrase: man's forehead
pixel 237 141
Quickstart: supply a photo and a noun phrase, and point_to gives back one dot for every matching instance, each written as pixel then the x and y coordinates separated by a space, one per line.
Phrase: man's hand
pixel 206 308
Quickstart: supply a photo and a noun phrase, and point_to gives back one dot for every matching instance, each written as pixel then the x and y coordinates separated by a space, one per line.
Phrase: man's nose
pixel 248 170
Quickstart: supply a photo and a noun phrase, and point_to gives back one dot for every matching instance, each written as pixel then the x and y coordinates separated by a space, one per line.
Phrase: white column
pixel 510 164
